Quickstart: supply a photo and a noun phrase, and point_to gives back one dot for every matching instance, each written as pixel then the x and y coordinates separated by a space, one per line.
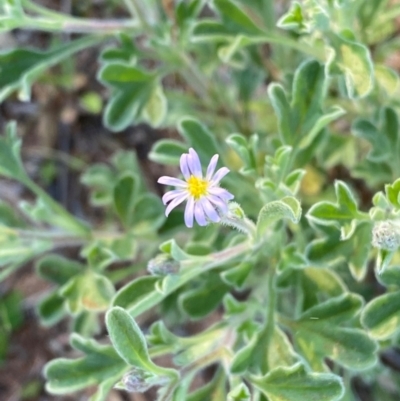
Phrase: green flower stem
pixel 226 255
pixel 136 11
pixel 76 25
pixel 191 269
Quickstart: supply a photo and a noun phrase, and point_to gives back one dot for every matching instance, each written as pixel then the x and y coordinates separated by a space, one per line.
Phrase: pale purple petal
pixel 221 193
pixel 194 163
pixel 178 200
pixel 219 203
pixel 199 214
pixel 184 166
pixel 211 167
pixel 189 212
pixel 168 196
pixel 221 173
pixel 172 181
pixel 209 210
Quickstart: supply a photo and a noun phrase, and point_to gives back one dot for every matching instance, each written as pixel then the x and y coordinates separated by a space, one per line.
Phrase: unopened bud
pixel 136 381
pixel 162 265
pixel 386 235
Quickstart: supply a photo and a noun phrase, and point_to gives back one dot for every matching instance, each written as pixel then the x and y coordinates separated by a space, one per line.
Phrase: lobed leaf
pixel 296 384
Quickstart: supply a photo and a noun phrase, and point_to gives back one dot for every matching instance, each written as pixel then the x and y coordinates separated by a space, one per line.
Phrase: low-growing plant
pixel 289 168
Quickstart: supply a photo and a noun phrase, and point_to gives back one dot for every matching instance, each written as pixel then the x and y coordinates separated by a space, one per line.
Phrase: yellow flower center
pixel 197 187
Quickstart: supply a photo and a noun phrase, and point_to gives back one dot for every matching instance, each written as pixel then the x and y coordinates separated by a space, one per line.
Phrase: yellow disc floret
pixel 197 187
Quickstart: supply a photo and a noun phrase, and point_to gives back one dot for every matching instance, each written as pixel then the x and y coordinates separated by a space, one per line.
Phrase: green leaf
pixel 383 260
pixel 101 363
pixel 245 149
pixel 131 90
pixel 318 284
pixel 123 248
pixel 237 275
pixel 167 151
pixel 337 310
pixel 135 292
pixel 294 19
pixel 155 109
pixel 296 384
pixel 243 357
pixel 320 334
pixel 387 79
pixel 309 86
pixel 10 150
pixel 199 138
pixel 283 112
pixel 210 30
pixel 173 249
pixel 361 245
pixel 340 214
pixel 20 67
pixel 57 268
pixel 280 351
pixel 125 192
pixel 320 123
pixel 160 335
pixel 286 208
pixel 380 145
pixel 51 309
pixel 89 291
pixel 11 313
pixel 328 251
pixel 236 19
pixel 100 179
pixel 381 316
pixel 128 339
pixel 390 276
pixel 98 255
pixel 201 301
pixel 148 213
pixel 130 343
pixel 393 193
pixel 239 393
pixel 355 62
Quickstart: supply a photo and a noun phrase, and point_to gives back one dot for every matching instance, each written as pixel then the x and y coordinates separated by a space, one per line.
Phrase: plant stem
pixel 136 11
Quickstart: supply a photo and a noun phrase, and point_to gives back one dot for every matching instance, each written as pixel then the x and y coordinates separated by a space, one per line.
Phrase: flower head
pixel 386 235
pixel 206 201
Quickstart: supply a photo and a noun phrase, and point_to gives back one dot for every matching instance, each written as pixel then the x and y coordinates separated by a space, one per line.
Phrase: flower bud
pixel 386 235
pixel 136 381
pixel 162 265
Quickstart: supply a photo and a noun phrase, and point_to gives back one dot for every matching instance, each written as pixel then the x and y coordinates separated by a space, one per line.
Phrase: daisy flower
pixel 206 201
